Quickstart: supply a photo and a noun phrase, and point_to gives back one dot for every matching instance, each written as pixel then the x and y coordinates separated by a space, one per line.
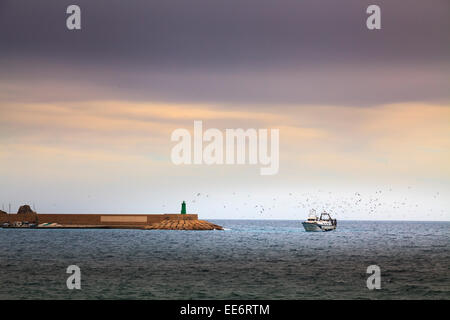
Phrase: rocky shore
pixel 184 225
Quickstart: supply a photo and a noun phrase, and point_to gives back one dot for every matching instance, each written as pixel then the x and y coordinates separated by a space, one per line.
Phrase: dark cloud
pixel 274 51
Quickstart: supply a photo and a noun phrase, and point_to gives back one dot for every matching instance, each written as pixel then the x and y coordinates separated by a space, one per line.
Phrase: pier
pixel 28 218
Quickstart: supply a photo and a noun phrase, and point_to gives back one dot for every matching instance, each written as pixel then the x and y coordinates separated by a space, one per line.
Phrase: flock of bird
pixel 359 202
pixel 386 202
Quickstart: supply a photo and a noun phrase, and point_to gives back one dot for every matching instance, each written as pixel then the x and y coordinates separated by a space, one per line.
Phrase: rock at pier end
pixel 25 209
pixel 184 225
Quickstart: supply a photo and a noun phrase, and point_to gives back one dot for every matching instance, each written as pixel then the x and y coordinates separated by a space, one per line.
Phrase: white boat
pixel 323 223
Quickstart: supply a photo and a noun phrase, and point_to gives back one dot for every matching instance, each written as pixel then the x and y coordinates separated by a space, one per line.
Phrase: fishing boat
pixel 323 223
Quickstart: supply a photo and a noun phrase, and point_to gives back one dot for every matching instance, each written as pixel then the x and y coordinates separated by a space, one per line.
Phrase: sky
pixel 86 116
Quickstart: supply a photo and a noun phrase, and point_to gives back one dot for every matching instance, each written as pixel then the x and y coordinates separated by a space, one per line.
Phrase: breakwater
pixel 118 221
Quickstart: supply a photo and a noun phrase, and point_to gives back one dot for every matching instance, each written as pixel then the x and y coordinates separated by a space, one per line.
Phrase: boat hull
pixel 315 227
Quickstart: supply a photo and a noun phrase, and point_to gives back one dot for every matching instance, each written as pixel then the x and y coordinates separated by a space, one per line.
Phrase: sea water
pixel 251 259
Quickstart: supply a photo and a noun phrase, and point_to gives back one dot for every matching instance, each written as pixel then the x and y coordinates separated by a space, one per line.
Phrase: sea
pixel 250 259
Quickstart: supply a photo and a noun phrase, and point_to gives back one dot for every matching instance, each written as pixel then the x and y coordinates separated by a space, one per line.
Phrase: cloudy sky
pixel 86 116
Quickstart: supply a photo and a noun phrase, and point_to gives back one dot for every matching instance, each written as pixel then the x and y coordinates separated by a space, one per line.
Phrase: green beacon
pixel 183 208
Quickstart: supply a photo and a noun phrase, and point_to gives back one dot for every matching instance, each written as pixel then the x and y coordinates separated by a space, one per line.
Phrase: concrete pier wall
pixel 96 219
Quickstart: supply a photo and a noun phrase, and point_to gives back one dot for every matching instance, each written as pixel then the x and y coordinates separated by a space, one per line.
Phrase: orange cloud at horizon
pixel 390 140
